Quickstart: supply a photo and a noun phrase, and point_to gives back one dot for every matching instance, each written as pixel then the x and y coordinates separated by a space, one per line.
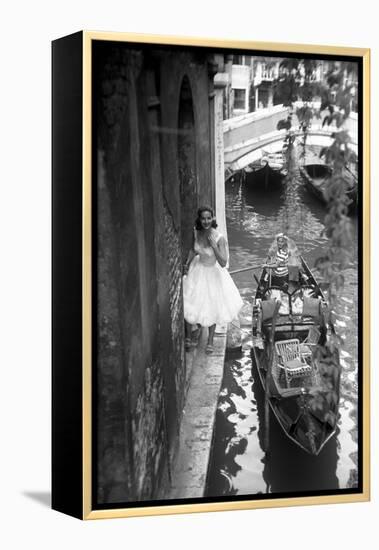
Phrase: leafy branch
pixel 336 94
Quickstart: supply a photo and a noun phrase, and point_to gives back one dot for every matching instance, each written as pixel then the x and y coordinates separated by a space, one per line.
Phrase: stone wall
pixel 142 226
pixel 176 303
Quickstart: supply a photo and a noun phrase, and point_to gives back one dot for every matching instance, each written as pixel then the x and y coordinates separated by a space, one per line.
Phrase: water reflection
pixel 238 463
pixel 257 201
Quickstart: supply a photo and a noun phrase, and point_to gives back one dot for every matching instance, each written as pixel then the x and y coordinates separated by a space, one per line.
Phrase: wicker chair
pixel 291 360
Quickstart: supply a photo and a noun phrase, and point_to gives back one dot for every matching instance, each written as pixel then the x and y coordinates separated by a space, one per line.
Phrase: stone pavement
pixel 205 374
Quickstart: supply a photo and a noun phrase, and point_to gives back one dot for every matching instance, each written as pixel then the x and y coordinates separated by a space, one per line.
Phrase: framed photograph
pixel 210 275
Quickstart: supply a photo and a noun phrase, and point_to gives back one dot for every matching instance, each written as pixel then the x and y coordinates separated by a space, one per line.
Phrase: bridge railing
pixel 251 132
pixel 246 127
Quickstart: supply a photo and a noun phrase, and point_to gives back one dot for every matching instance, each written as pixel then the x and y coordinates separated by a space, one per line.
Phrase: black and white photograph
pixel 227 219
pixel 189 223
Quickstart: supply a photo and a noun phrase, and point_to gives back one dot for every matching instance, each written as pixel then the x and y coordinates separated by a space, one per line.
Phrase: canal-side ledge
pixel 189 473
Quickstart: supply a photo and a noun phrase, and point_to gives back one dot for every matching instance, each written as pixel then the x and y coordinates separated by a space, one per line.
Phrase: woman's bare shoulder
pixel 219 237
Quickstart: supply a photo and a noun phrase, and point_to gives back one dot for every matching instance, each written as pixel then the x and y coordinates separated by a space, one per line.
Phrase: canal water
pixel 238 465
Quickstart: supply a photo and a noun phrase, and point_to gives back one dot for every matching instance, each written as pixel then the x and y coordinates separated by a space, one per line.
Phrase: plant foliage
pixel 329 100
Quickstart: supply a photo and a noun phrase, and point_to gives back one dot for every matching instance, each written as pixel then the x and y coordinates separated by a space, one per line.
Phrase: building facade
pixel 252 83
pixel 255 83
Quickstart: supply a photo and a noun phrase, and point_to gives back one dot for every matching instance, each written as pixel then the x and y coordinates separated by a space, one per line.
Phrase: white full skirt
pixel 210 295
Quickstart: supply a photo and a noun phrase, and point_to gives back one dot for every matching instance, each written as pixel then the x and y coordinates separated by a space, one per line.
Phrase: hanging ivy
pixel 336 95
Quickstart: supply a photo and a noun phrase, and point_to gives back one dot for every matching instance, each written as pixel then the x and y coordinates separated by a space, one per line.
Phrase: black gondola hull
pixel 306 425
pixel 264 177
pixel 316 177
pixel 294 414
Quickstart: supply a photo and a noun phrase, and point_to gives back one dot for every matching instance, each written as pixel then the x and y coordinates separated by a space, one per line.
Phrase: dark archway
pixel 187 165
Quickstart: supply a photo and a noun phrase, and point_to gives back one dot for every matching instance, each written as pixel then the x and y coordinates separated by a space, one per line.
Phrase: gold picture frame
pixel 79 372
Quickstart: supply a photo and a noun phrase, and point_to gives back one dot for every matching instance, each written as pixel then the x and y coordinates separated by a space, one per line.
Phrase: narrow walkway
pixel 196 431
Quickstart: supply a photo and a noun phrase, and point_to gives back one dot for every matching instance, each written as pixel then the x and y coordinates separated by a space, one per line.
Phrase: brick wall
pixel 140 367
pixel 148 427
pixel 174 262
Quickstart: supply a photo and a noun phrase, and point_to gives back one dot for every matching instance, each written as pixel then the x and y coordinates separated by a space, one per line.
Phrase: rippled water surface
pixel 238 463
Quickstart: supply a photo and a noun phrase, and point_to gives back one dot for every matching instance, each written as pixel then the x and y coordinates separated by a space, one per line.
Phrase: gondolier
pixel 279 260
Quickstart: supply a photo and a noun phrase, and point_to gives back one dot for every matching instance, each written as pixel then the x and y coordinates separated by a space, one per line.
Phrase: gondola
pixel 290 327
pixel 268 173
pixel 317 177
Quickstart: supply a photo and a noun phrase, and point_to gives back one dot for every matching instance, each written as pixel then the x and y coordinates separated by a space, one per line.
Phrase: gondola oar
pixel 258 266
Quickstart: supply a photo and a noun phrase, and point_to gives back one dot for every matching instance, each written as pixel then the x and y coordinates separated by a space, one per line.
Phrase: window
pixel 239 99
pixel 242 60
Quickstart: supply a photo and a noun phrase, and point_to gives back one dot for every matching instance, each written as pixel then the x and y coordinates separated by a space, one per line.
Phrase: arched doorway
pixel 187 165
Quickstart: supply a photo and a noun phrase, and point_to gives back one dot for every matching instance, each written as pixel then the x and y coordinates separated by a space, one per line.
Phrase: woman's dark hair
pixel 199 212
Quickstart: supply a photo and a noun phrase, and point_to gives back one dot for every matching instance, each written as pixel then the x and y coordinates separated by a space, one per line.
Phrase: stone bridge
pixel 246 136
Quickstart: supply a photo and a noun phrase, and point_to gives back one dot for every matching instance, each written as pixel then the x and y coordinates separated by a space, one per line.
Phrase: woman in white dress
pixel 209 293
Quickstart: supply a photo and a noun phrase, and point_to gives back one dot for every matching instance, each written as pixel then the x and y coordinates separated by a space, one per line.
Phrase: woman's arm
pixel 219 249
pixel 190 257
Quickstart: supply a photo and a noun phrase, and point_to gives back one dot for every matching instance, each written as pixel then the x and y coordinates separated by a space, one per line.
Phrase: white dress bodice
pixel 206 254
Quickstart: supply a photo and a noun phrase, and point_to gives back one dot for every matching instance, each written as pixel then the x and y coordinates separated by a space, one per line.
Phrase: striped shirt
pixel 281 257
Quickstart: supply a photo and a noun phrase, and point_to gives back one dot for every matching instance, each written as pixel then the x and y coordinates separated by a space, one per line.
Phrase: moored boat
pixel 317 177
pixel 269 172
pixel 290 331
